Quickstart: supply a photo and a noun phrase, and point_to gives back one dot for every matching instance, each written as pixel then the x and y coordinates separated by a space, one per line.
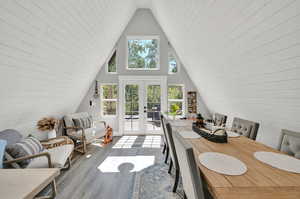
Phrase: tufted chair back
pixel 220 119
pixel 290 143
pixel 245 127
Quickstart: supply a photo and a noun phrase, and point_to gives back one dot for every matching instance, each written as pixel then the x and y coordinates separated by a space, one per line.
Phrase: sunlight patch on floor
pixel 112 164
pixel 152 141
pixel 125 142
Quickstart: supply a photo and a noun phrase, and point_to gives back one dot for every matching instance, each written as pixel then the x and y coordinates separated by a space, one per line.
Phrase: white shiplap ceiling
pixel 243 56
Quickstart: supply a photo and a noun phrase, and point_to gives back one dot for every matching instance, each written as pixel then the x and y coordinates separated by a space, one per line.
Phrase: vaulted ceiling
pixel 243 56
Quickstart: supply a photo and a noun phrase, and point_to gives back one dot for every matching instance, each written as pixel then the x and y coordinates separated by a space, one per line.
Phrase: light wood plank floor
pixel 84 179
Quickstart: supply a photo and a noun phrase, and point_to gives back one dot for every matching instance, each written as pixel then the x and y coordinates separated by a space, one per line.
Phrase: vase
pixel 52 134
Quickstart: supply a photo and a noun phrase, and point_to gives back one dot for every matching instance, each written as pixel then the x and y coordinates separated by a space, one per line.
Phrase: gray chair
pixel 289 143
pixel 220 119
pixel 166 146
pixel 174 160
pixel 191 179
pixel 245 127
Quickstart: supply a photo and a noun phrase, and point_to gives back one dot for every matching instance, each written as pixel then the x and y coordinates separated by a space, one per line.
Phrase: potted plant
pixel 48 124
pixel 174 110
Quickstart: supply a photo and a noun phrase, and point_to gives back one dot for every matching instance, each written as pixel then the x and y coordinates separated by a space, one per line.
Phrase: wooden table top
pixel 261 181
pixel 24 183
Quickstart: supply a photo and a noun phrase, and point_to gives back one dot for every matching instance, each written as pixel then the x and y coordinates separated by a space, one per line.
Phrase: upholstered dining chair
pixel 289 143
pixel 191 179
pixel 220 119
pixel 245 127
pixel 166 146
pixel 174 160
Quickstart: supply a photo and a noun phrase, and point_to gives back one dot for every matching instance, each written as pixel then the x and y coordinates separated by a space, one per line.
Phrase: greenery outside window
pixel 173 63
pixel 143 53
pixel 109 96
pixel 176 100
pixel 112 63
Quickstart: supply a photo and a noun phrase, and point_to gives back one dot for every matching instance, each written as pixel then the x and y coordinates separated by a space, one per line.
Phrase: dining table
pixel 261 181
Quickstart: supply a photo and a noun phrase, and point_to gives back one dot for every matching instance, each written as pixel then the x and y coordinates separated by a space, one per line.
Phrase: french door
pixel 142 98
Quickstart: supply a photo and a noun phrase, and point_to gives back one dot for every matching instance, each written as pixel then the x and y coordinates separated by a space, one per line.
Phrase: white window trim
pixel 145 37
pixel 177 62
pixel 109 57
pixel 110 100
pixel 177 100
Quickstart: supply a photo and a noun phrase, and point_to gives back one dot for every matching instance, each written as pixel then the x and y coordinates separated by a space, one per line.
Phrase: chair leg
pixel 164 149
pixel 84 146
pixel 53 184
pixel 167 155
pixel 170 167
pixel 184 195
pixel 176 180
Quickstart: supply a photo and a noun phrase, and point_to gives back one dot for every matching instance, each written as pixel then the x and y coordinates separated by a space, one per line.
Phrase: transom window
pixel 112 63
pixel 109 95
pixel 173 63
pixel 143 53
pixel 176 100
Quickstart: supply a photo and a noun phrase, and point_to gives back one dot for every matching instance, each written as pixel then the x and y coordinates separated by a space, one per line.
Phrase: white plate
pixel 279 161
pixel 189 134
pixel 222 163
pixel 232 134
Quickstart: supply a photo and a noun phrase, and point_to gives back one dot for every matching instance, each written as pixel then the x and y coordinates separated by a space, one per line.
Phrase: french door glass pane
pixel 153 107
pixel 132 107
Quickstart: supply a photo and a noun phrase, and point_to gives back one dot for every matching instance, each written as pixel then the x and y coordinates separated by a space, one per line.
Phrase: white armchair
pixel 83 136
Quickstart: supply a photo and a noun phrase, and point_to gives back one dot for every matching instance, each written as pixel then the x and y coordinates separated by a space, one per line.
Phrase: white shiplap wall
pixel 50 52
pixel 244 57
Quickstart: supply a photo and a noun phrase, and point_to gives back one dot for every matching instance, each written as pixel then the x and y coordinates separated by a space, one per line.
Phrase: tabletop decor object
pixel 48 124
pixel 279 161
pixel 222 163
pixel 199 120
pixel 218 135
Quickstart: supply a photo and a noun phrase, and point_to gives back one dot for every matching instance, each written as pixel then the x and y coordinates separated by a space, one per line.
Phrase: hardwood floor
pixel 85 180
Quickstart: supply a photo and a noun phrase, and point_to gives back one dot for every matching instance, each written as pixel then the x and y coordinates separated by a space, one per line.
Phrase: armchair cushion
pixel 59 156
pixel 27 146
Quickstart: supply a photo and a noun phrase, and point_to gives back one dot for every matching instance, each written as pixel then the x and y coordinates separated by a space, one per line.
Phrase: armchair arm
pixel 66 139
pixel 46 154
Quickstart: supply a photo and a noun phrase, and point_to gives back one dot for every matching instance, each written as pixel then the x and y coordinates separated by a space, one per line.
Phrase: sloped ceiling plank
pixel 242 55
pixel 50 52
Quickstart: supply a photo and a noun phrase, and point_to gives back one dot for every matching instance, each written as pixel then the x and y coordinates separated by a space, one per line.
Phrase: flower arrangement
pixel 47 124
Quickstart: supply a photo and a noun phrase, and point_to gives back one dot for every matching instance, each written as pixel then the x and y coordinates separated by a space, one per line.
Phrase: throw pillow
pixel 78 122
pixel 28 146
pixel 85 122
pixel 2 149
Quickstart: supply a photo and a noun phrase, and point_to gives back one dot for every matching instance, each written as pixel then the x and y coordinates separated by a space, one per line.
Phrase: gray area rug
pixel 155 183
